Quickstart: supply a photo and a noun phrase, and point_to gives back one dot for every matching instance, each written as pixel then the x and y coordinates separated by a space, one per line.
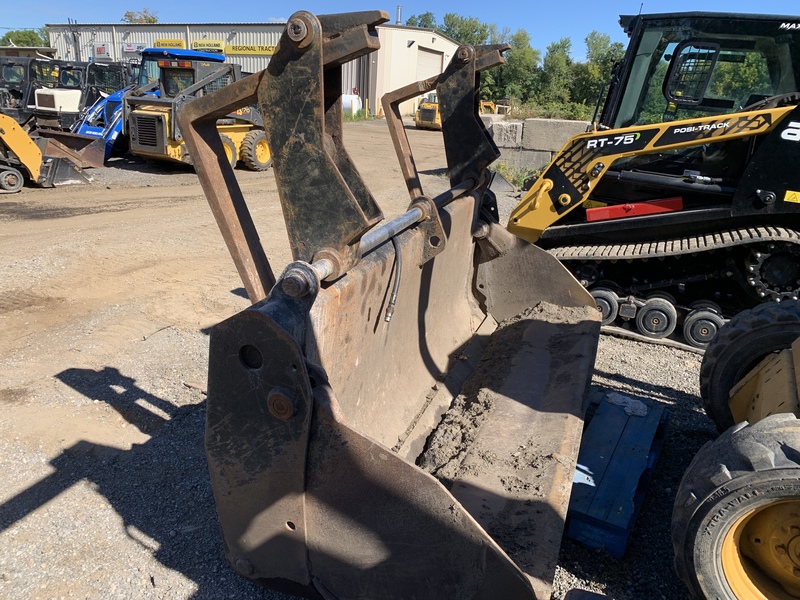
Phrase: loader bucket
pixel 83 151
pixel 58 171
pixel 399 415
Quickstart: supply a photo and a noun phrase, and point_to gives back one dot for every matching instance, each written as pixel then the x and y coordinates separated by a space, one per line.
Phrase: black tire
pixel 607 303
pixel 701 326
pixel 230 150
pixel 657 318
pixel 11 180
pixel 256 154
pixel 735 520
pixel 741 343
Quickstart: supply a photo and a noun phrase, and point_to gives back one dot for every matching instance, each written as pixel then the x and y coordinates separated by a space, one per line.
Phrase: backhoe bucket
pixel 400 416
pixel 83 151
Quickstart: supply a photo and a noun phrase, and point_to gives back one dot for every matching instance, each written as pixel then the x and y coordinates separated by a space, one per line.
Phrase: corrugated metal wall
pixel 248 44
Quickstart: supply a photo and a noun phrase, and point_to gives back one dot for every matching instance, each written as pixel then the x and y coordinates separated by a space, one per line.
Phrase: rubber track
pixel 676 247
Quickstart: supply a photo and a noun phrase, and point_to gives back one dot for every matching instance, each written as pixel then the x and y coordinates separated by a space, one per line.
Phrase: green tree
pixel 499 36
pixel 140 16
pixel 739 80
pixel 518 77
pixel 25 37
pixel 426 20
pixel 465 30
pixel 590 77
pixel 557 72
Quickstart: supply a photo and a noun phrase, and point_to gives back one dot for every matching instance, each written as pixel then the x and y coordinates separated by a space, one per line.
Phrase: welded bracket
pixel 258 417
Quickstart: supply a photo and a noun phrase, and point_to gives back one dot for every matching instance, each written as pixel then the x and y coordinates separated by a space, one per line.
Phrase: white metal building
pixel 407 54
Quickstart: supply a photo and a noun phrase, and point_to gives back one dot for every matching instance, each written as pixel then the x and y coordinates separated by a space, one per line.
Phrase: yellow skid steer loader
pixel 398 415
pixel 45 161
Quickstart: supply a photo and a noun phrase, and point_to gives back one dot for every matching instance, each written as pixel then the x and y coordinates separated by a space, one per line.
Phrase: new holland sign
pixel 169 43
pixel 209 45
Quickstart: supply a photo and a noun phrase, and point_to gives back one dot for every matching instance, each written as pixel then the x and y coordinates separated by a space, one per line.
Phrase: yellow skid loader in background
pixel 170 78
pixel 427 115
pixel 41 160
pixel 398 415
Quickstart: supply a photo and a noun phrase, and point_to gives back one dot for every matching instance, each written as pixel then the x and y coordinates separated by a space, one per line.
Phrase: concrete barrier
pixel 531 143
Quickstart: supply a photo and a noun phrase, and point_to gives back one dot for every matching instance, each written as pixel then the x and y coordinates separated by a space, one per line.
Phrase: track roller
pixel 608 304
pixel 701 326
pixel 657 318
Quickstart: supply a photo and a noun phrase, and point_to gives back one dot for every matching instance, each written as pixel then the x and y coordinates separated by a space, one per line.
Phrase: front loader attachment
pixel 398 415
pixel 83 151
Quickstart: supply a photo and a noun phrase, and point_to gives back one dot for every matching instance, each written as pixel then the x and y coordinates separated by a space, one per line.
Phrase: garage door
pixel 429 63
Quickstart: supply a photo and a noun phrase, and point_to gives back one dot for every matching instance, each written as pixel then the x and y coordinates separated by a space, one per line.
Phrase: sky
pixel 546 22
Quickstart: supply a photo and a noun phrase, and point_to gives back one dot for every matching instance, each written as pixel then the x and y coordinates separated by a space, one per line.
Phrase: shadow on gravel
pixel 160 487
pixel 156 167
pixel 643 388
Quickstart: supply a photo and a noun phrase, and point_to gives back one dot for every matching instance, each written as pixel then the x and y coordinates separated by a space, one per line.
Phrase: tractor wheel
pixel 255 151
pixel 739 346
pixel 230 150
pixel 11 180
pixel 736 519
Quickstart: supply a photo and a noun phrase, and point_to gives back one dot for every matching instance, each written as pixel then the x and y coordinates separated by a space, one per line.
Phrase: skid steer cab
pixel 51 94
pixel 169 79
pixel 398 415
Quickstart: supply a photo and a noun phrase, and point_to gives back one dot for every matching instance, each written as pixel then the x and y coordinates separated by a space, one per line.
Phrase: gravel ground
pixel 105 490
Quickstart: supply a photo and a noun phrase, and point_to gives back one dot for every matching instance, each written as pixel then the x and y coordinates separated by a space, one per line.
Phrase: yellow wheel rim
pixel 262 151
pixel 761 553
pixel 228 153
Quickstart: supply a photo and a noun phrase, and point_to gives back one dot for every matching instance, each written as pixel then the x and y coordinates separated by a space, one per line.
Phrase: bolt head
pixel 245 567
pixel 296 30
pixel 280 404
pixel 296 283
pixel 300 30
